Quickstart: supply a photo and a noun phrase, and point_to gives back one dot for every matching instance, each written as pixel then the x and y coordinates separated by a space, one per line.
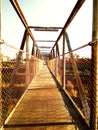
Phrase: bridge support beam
pixel 27 61
pixel 63 61
pixel 94 75
pixel 57 54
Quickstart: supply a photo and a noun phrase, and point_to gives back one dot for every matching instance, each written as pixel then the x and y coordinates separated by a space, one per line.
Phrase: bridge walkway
pixel 41 107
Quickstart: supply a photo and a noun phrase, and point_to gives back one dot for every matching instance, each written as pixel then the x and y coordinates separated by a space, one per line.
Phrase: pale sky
pixel 47 13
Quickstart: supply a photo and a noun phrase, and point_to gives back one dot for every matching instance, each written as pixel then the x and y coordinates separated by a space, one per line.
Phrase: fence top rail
pixel 81 47
pixel 22 51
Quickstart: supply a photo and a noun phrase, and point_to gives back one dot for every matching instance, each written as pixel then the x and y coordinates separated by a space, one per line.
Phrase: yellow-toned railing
pixel 16 72
pixel 66 73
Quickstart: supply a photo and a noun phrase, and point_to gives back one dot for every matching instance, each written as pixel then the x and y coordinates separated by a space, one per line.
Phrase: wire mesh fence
pixel 14 78
pixel 82 58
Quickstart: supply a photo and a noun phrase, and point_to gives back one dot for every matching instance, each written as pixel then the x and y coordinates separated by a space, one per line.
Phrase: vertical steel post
pixel 57 48
pixel 23 40
pixel 34 52
pixel 56 62
pixel 63 62
pixel 94 75
pixel 0 71
pixel 27 61
pixel 53 53
pixel 56 66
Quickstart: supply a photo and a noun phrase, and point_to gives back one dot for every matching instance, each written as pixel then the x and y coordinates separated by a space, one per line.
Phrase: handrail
pixel 77 72
pixel 85 45
pixel 18 68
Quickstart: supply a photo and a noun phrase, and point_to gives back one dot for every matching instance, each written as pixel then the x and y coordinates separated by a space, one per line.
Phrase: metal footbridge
pixel 46 87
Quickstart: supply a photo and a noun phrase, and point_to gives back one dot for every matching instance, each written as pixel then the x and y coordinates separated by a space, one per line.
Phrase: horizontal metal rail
pixel 45 41
pixel 76 49
pixel 40 27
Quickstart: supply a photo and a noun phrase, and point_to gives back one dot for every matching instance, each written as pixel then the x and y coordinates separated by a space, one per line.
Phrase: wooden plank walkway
pixel 41 107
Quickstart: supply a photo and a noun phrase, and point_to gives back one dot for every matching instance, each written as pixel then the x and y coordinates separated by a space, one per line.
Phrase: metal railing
pixel 63 69
pixel 16 72
pixel 74 76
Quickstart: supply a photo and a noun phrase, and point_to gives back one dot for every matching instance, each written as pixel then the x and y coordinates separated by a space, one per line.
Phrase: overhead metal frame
pixel 38 28
pixel 72 15
pixel 22 18
pixel 46 47
pixel 46 29
pixel 45 41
